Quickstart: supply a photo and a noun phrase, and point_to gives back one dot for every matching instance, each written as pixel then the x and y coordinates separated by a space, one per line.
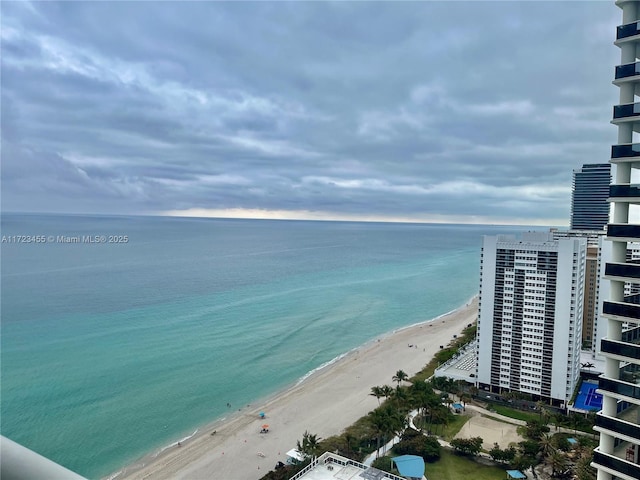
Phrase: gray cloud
pixel 397 110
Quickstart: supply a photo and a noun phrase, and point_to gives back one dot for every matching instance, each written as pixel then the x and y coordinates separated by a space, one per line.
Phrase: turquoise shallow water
pixel 112 351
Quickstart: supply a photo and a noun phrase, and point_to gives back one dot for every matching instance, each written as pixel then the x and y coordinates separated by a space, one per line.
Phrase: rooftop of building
pixel 587 358
pixel 330 466
pixel 462 366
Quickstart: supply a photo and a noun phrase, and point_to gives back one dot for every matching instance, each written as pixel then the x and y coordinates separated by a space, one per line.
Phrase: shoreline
pixel 324 401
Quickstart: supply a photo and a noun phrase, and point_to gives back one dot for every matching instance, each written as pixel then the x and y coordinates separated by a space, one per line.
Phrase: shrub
pixel 384 464
pixel 426 447
pixel 467 446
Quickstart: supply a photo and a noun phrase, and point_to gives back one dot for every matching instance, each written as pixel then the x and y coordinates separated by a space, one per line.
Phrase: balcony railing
pixel 624 270
pixel 618 387
pixel 619 426
pixel 627 70
pixel 19 462
pixel 632 335
pixel 627 30
pixel 623 230
pixel 625 150
pixel 620 309
pixel 626 110
pixel 614 347
pixel 624 191
pixel 617 464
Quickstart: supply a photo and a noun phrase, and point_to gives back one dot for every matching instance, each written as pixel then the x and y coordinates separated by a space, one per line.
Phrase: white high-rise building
pixel 530 315
pixel 618 455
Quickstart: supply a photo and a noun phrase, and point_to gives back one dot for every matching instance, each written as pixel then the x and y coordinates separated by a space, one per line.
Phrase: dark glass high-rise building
pixel 589 206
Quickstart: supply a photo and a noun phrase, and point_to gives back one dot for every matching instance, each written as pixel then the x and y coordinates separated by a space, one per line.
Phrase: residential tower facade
pixel 530 315
pixel 618 454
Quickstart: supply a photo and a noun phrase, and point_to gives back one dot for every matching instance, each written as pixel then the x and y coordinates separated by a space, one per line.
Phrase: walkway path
pixel 480 410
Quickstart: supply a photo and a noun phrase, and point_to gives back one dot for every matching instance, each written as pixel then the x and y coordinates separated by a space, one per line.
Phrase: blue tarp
pixel 515 474
pixel 409 465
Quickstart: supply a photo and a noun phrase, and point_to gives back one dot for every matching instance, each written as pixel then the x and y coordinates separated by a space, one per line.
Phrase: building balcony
pixel 613 464
pixel 627 71
pixel 629 373
pixel 625 153
pixel 627 30
pixel 617 426
pixel 622 272
pixel 619 388
pixel 629 192
pixel 623 232
pixel 629 351
pixel 631 335
pixel 626 312
pixel 626 112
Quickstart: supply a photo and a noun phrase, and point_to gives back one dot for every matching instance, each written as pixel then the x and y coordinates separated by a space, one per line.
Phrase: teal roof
pixel 515 474
pixel 409 465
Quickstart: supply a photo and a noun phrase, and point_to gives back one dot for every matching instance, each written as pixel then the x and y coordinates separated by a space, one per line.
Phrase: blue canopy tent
pixel 409 465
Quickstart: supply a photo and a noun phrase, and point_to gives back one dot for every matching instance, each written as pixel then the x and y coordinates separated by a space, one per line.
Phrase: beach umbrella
pixel 261 414
pixel 265 426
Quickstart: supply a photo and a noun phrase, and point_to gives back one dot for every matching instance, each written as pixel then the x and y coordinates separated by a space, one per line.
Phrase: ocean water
pixel 110 351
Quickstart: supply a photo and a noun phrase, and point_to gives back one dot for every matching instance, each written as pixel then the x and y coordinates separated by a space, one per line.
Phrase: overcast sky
pixel 419 111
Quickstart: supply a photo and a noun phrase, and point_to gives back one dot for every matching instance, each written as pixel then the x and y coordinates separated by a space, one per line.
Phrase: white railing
pixel 20 463
pixel 328 458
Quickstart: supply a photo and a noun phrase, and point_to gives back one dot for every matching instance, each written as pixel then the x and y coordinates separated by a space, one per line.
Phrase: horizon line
pixel 237 214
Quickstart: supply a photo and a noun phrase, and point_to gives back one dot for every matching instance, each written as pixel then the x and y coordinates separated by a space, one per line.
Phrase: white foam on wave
pixel 324 365
pixel 341 356
pixel 431 320
pixel 115 475
pixel 175 444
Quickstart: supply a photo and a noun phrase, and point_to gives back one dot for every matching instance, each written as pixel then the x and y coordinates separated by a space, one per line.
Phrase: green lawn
pixel 513 413
pixel 454 467
pixel 449 431
pixel 454 427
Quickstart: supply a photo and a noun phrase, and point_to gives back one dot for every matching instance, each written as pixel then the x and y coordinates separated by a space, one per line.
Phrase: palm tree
pixel 379 422
pixel 559 463
pixel 474 391
pixel 443 384
pixel 400 376
pixel 587 365
pixel 440 414
pixel 448 401
pixel 583 468
pixel 348 438
pixel 424 398
pixel 387 391
pixel 386 421
pixel 401 396
pixel 377 392
pixel 397 423
pixel 575 421
pixel 546 445
pixel 309 446
pixel 460 388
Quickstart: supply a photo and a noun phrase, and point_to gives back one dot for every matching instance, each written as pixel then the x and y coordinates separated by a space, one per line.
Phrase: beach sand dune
pixel 324 404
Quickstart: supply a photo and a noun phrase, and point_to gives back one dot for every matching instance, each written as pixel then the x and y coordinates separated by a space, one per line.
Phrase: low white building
pixel 330 466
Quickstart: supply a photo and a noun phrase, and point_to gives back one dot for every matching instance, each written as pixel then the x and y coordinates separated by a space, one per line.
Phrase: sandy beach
pixel 324 404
